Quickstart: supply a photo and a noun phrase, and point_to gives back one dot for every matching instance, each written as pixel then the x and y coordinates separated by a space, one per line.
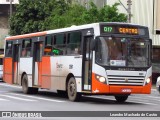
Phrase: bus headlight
pixel 148 80
pixel 101 78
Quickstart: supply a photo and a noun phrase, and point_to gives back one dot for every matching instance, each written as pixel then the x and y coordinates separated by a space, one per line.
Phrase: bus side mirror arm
pixel 92 45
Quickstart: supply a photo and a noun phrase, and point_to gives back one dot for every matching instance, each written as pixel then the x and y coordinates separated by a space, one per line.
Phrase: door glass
pixel 88 63
pixel 16 53
pixel 38 51
pixel 15 63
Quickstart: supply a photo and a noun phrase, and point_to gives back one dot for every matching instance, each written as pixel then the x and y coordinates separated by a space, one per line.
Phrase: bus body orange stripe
pixel 46 73
pixel 98 86
pixel 7 71
pixel 26 35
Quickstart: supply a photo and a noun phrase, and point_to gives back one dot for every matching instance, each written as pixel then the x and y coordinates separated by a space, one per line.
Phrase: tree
pixel 31 16
pixel 40 15
pixel 111 14
pixel 72 16
pixel 92 14
pixel 77 14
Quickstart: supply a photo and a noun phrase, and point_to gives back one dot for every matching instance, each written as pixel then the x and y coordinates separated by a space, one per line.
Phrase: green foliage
pixel 40 15
pixel 31 16
pixel 73 16
pixel 111 14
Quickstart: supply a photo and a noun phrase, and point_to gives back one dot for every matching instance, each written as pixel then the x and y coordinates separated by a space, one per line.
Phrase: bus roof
pixel 60 30
pixel 26 35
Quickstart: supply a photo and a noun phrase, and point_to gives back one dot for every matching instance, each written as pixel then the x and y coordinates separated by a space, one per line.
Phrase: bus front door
pixel 15 69
pixel 87 64
pixel 37 58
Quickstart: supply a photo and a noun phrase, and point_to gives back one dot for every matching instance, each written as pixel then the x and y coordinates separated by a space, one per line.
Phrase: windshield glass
pixel 114 51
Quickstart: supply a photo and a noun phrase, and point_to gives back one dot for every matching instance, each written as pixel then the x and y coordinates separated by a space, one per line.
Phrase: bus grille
pixel 126 80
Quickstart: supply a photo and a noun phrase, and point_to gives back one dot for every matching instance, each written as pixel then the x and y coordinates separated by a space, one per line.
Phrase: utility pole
pixel 10 8
pixel 129 3
pixel 105 2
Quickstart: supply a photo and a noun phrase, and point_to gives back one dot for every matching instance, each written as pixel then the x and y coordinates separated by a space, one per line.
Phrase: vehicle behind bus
pixel 92 59
pixel 1 66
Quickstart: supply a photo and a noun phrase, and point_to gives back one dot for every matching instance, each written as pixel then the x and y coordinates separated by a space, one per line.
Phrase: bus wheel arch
pixel 26 89
pixel 71 88
pixel 22 76
pixel 67 79
pixel 64 92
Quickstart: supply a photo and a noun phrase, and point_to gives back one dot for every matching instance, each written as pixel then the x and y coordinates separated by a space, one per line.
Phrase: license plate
pixel 126 90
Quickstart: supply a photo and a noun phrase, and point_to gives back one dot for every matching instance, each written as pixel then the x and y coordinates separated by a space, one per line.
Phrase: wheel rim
pixel 24 85
pixel 72 89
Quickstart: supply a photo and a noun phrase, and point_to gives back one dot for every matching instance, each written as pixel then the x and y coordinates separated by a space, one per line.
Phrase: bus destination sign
pixel 120 29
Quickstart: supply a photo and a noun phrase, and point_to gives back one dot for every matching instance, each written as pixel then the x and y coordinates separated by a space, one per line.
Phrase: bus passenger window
pixel 8 49
pixel 48 46
pixel 56 51
pixel 60 45
pixel 24 53
pixel 48 51
pixel 26 48
pixel 74 43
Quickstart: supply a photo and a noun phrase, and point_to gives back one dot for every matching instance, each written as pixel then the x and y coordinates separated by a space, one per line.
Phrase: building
pixel 4 18
pixel 99 3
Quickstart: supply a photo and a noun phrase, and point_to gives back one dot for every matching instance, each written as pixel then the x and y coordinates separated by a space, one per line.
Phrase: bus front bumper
pixel 130 89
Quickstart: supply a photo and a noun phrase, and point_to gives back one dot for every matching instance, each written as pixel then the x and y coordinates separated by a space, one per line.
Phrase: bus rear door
pixel 16 57
pixel 37 61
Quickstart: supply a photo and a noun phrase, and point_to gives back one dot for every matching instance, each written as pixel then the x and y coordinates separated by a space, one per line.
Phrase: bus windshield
pixel 121 51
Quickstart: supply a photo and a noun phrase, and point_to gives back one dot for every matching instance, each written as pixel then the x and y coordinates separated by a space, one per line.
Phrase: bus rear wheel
pixel 73 95
pixel 121 98
pixel 25 88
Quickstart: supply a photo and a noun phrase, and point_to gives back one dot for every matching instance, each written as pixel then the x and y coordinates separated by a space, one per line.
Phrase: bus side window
pixel 74 43
pixel 26 48
pixel 48 45
pixel 8 49
pixel 60 45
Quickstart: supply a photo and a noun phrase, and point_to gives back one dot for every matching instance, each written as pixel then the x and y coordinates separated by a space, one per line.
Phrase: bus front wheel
pixel 121 98
pixel 25 88
pixel 73 95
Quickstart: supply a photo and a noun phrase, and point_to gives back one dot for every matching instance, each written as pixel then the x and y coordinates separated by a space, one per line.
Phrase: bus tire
pixel 25 88
pixel 121 98
pixel 73 95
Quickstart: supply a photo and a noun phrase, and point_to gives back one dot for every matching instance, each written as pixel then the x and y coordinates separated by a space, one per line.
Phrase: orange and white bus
pixel 94 59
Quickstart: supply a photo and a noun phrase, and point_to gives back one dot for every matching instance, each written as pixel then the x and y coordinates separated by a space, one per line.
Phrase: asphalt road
pixel 12 99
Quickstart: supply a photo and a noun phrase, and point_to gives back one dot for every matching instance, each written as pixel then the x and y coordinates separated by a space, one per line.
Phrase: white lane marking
pixel 15 86
pixel 154 89
pixel 153 97
pixel 139 97
pixel 144 98
pixel 142 102
pixel 1 99
pixel 17 98
pixel 37 97
pixel 3 91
